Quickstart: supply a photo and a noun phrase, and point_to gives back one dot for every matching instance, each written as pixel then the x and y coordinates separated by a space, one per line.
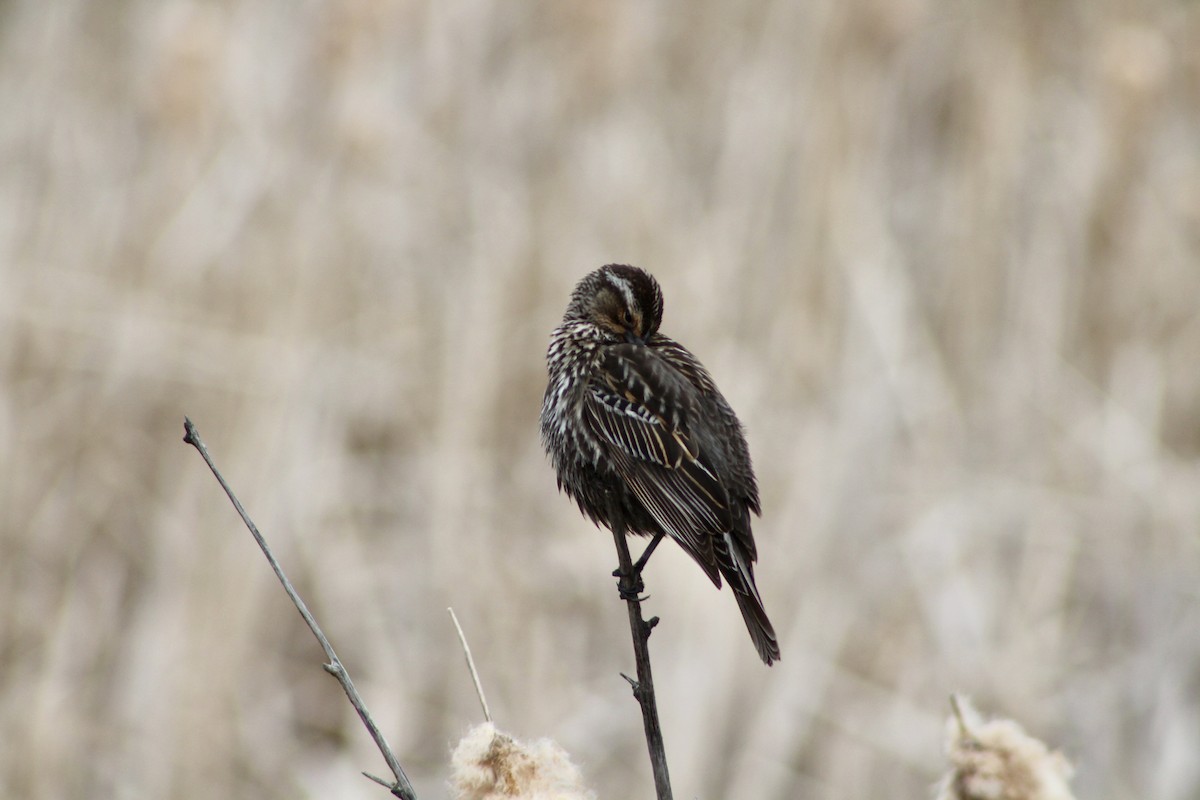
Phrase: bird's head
pixel 623 303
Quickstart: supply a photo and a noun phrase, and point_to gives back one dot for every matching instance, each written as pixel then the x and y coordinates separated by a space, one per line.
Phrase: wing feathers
pixel 645 410
pixel 640 406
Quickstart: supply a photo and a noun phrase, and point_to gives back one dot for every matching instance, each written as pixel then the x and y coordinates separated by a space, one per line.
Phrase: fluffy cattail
pixel 490 765
pixel 997 760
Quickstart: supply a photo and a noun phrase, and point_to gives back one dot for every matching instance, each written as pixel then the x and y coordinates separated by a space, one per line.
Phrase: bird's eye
pixel 627 317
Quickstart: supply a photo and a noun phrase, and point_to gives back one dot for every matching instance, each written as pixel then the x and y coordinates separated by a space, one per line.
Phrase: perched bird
pixel 642 439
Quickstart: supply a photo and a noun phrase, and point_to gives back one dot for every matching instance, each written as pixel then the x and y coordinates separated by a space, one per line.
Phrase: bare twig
pixel 401 787
pixel 643 688
pixel 462 638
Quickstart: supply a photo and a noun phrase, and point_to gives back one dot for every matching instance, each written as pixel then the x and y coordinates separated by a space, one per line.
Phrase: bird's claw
pixel 633 595
pixel 630 585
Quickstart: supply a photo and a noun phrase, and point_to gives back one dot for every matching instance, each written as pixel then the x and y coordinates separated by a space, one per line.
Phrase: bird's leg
pixel 649 551
pixel 634 587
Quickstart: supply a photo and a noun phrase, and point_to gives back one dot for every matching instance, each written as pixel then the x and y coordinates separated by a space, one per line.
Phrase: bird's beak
pixel 632 337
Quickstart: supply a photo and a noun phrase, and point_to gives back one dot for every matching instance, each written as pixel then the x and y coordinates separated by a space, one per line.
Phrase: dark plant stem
pixel 401 787
pixel 643 688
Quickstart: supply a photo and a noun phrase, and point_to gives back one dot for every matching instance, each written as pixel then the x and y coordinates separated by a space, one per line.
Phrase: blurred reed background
pixel 942 257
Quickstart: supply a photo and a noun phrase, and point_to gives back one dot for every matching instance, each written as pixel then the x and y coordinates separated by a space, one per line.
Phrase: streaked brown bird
pixel 642 439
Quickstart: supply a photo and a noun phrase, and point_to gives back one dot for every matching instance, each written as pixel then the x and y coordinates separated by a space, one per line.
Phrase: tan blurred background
pixel 943 258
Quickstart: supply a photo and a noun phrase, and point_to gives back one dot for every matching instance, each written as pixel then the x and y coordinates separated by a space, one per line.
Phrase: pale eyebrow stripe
pixel 622 286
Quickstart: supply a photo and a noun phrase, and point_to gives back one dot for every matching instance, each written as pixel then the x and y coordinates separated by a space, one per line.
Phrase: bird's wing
pixel 741 482
pixel 639 405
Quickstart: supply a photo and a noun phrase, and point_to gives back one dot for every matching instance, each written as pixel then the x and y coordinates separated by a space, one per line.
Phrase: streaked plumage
pixel 640 436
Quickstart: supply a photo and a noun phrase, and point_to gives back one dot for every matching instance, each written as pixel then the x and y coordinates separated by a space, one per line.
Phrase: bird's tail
pixel 755 616
pixel 739 572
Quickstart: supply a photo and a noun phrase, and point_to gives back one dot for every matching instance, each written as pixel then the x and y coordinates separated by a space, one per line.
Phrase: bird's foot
pixel 630 586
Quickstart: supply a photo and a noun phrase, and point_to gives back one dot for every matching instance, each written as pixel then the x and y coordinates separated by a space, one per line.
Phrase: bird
pixel 644 442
